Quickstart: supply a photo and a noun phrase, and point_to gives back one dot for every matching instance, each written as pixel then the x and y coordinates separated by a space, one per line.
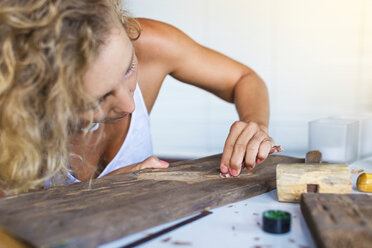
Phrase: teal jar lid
pixel 276 221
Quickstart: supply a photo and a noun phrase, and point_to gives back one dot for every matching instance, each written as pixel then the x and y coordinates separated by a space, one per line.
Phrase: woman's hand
pixel 149 163
pixel 247 144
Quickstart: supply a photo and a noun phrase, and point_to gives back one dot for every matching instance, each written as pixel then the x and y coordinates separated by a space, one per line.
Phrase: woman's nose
pixel 124 100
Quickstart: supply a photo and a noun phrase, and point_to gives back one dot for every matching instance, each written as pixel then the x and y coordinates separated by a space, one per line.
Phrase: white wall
pixel 314 55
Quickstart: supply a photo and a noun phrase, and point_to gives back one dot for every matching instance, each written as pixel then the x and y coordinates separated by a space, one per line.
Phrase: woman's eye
pixel 102 99
pixel 130 69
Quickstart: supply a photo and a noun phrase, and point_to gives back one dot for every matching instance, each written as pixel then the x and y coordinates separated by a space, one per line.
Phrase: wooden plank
pixel 85 215
pixel 339 220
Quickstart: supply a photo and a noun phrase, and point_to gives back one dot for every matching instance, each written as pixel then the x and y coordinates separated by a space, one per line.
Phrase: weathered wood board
pixel 339 220
pixel 85 215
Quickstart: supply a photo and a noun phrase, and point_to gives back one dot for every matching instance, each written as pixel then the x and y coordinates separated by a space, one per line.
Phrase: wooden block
pixel 313 157
pixel 294 179
pixel 339 221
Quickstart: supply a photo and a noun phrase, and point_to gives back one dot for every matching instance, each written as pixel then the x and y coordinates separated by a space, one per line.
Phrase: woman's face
pixel 112 78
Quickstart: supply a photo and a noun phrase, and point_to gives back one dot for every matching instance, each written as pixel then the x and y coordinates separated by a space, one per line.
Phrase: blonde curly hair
pixel 45 48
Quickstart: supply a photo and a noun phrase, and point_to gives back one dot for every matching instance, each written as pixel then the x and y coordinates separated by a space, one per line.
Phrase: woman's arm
pixel 178 55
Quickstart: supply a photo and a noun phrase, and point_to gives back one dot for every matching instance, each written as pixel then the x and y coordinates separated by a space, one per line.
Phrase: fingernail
pixel 224 169
pixel 234 173
pixel 163 162
pixel 258 161
pixel 249 168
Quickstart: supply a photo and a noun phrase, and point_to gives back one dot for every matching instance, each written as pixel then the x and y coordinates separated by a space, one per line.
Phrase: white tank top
pixel 137 145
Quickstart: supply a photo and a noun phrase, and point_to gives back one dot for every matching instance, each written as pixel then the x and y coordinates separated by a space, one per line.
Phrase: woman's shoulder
pixel 151 29
pixel 159 40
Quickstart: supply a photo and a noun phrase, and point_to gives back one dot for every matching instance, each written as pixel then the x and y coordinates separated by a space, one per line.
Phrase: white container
pixel 365 133
pixel 336 139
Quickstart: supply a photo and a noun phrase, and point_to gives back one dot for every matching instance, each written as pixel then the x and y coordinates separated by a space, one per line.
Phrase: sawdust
pixel 224 175
pixel 357 171
pixel 181 243
pixel 166 240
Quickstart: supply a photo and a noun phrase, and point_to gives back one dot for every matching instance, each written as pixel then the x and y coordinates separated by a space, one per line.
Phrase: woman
pixel 78 80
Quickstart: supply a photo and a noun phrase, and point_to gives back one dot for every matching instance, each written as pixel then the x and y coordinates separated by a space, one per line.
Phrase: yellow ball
pixel 364 182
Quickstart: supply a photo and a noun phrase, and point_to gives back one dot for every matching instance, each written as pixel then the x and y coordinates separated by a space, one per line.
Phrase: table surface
pixel 238 224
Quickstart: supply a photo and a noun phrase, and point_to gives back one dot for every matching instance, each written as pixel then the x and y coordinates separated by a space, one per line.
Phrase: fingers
pixel 246 148
pixel 264 150
pixel 257 150
pixel 247 144
pixel 228 149
pixel 153 163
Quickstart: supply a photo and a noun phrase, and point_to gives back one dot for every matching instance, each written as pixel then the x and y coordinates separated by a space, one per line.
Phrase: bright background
pixel 314 55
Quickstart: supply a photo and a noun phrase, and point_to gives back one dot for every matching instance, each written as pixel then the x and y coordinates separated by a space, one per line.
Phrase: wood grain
pixel 293 180
pixel 339 220
pixel 85 215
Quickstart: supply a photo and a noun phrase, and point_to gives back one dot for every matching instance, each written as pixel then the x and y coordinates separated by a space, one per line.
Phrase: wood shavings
pixel 223 175
pixel 357 171
pixel 166 240
pixel 181 243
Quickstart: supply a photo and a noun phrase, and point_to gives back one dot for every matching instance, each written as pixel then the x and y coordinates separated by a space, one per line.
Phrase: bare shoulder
pixel 159 49
pixel 160 42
